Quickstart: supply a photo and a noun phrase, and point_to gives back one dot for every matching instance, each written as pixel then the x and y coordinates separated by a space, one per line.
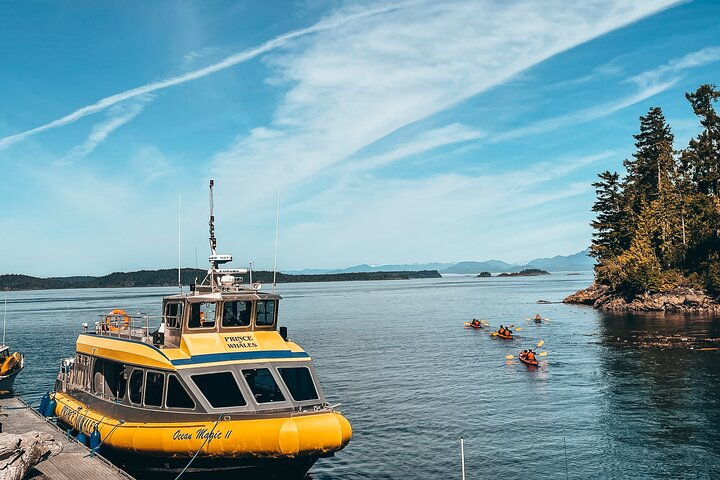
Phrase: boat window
pixel 299 382
pixel 177 396
pixel 154 382
pixel 236 314
pixel 202 315
pixel 220 389
pixel 136 386
pixel 263 385
pixel 173 314
pixel 109 378
pixel 265 312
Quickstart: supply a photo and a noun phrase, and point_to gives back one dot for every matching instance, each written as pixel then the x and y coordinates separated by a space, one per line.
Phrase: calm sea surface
pixel 629 396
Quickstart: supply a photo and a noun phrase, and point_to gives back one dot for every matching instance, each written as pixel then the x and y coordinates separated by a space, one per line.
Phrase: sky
pixel 391 132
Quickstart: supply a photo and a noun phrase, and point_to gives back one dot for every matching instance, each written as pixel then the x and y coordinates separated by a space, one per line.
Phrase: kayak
pixel 538 320
pixel 506 337
pixel 476 326
pixel 531 363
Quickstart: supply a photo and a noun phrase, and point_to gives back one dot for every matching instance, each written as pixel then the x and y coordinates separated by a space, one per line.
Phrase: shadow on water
pixel 661 405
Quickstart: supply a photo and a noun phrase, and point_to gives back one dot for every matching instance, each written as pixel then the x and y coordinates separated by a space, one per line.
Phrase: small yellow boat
pixel 211 385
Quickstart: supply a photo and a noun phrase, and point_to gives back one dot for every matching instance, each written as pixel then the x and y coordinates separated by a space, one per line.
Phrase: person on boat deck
pixel 202 319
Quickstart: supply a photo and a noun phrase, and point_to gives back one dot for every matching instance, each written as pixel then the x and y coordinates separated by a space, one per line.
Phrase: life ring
pixel 10 363
pixel 117 313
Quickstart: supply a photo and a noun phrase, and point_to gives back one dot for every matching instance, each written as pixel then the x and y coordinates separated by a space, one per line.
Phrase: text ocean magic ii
pixel 236 342
pixel 201 434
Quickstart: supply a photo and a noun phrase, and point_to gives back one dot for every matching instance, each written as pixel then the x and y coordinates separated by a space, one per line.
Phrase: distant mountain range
pixel 578 262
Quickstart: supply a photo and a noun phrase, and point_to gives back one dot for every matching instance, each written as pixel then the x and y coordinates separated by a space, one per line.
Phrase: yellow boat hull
pixel 312 434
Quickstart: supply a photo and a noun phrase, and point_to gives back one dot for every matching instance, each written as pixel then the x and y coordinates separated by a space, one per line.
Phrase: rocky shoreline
pixel 680 299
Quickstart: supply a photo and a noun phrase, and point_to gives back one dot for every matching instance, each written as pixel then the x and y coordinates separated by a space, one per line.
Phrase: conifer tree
pixel 653 163
pixel 608 238
pixel 701 159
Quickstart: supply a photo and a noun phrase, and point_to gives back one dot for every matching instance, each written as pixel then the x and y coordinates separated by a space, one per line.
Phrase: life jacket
pixel 531 356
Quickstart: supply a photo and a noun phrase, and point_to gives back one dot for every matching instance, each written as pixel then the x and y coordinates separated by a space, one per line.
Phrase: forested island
pixel 657 231
pixel 528 272
pixel 188 276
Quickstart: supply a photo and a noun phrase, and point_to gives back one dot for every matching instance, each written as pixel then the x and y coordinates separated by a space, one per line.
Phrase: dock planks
pixel 73 463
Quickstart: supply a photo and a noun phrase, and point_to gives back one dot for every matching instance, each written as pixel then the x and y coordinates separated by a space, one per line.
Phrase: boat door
pixel 173 315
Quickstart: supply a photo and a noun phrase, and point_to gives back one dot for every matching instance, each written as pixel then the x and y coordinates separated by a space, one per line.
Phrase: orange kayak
pixel 532 363
pixel 506 336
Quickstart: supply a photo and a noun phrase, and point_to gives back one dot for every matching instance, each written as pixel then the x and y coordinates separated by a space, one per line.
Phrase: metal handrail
pixel 126 325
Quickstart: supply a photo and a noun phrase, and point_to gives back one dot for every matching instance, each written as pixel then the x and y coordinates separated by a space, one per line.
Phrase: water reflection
pixel 661 406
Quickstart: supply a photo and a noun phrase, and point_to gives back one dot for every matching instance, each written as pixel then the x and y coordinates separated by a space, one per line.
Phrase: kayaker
pixel 475 322
pixel 531 356
pixel 538 318
pixel 501 330
pixel 523 354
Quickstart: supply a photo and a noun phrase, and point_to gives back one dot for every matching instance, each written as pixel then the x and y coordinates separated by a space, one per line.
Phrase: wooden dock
pixel 73 463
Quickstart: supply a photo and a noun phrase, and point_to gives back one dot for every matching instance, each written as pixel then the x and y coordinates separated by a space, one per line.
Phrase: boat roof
pixel 240 294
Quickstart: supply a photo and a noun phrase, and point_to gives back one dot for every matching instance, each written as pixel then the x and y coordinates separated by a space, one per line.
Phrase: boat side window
pixel 263 385
pixel 220 389
pixel 236 314
pixel 202 315
pixel 109 378
pixel 136 386
pixel 173 314
pixel 300 383
pixel 177 396
pixel 265 312
pixel 154 383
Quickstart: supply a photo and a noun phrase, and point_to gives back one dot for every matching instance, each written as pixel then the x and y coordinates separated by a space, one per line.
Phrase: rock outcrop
pixel 680 299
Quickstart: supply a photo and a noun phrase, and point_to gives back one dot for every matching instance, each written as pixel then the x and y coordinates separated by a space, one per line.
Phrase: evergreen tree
pixel 701 160
pixel 608 238
pixel 653 163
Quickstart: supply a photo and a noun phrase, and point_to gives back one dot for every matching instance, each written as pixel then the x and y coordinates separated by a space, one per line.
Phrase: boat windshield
pixel 202 315
pixel 237 313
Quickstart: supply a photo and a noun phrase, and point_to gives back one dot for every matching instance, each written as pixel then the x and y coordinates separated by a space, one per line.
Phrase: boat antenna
pixel 277 223
pixel 179 264
pixel 213 241
pixel 4 318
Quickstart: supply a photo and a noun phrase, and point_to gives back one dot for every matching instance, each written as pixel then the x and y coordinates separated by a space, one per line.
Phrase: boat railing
pixel 136 327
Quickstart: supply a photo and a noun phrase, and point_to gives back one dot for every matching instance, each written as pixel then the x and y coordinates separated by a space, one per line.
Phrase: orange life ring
pixel 117 313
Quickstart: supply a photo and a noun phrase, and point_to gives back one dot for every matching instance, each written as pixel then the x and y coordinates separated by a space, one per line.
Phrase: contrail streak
pixel 228 62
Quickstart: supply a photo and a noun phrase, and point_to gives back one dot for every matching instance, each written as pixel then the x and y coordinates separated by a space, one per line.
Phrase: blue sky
pixel 395 132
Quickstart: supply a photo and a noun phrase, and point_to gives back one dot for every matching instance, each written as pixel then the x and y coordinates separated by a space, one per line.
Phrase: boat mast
pixel 213 240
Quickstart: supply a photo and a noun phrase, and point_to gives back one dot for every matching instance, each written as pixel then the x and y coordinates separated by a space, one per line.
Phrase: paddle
pixel 509 357
pixel 542 354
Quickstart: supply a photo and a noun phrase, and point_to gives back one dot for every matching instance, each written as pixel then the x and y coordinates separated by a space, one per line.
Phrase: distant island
pixel 188 276
pixel 657 231
pixel 577 262
pixel 528 272
pixel 484 275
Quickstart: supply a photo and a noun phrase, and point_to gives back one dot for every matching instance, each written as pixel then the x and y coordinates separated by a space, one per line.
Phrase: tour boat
pixel 213 385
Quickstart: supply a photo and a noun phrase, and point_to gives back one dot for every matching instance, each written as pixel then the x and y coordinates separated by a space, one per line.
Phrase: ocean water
pixel 618 396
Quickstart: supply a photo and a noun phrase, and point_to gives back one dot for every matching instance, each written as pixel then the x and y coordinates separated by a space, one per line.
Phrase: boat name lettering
pixel 78 420
pixel 201 434
pixel 178 435
pixel 241 341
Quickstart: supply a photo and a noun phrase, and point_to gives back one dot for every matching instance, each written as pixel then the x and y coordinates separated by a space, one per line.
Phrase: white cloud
pixel 118 116
pixel 350 87
pixel 332 22
pixel 672 70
